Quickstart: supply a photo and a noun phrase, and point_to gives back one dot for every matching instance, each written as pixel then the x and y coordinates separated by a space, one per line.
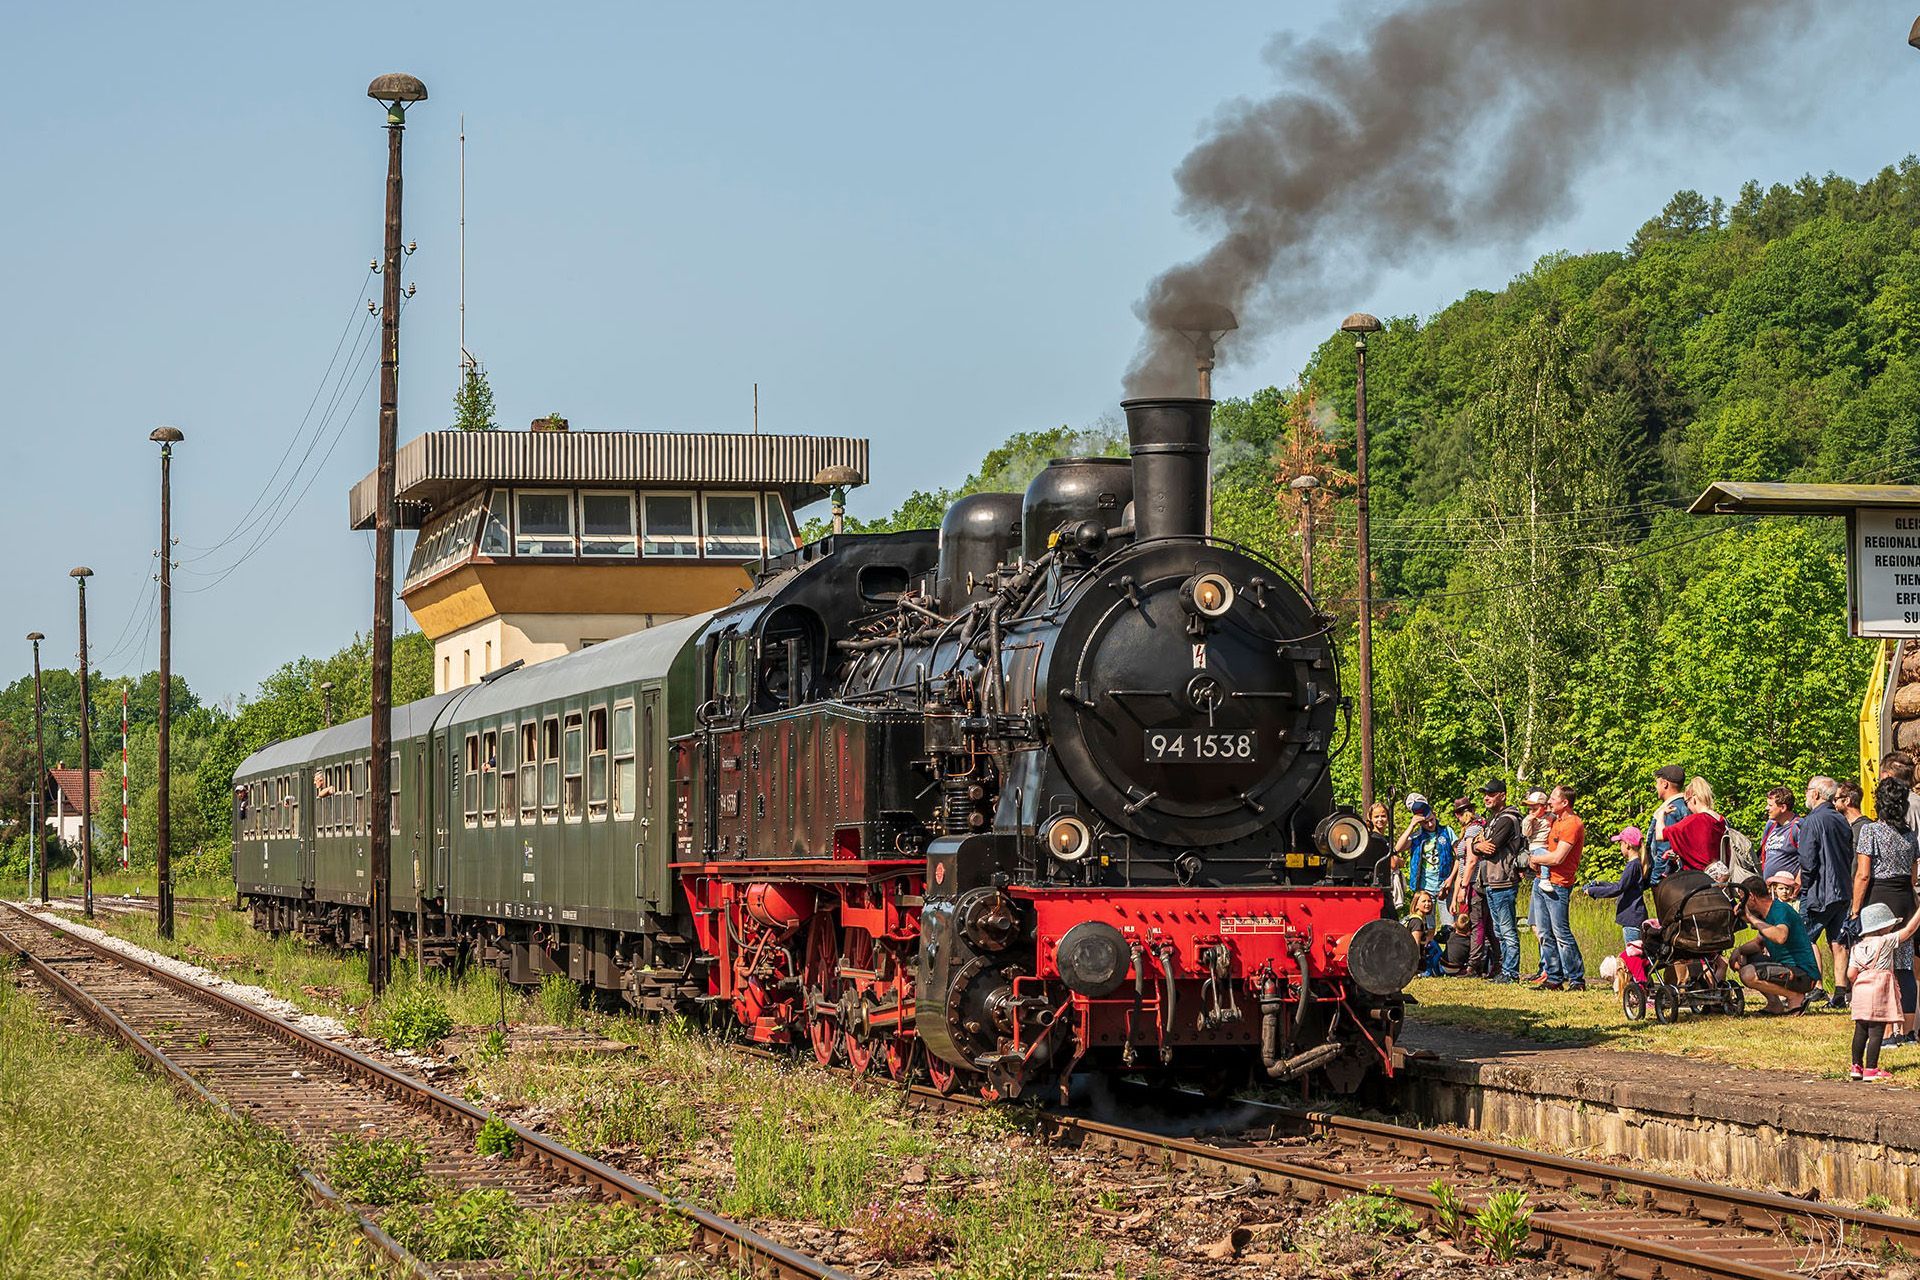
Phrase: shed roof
pixel 435 470
pixel 1729 498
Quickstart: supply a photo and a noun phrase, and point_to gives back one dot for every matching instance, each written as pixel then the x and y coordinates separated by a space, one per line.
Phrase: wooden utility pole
pixel 166 438
pixel 397 91
pixel 80 575
pixel 40 780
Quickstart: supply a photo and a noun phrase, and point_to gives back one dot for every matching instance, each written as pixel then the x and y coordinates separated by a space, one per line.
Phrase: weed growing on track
pixel 559 1000
pixel 1503 1224
pixel 104 1171
pixel 378 1170
pixel 494 1139
pixel 485 1223
pixel 412 1015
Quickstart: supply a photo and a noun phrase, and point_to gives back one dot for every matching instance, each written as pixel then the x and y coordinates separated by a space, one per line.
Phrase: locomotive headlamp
pixel 1207 594
pixel 1342 836
pixel 1068 839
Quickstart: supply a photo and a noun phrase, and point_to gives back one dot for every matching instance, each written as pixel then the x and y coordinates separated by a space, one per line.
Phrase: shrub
pixel 413 1018
pixel 495 1138
pixel 378 1170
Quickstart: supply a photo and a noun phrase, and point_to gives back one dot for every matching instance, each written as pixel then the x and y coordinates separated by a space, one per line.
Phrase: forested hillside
pixel 1547 610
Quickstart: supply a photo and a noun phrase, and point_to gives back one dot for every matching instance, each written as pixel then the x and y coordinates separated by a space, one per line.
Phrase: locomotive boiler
pixel 1044 790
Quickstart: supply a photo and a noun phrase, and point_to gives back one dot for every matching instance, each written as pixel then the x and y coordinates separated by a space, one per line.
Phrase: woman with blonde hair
pixel 1697 839
pixel 1700 796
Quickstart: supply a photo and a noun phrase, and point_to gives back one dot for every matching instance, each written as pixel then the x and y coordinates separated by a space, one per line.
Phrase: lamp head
pixel 83 573
pixel 1304 485
pixel 35 636
pixel 397 89
pixel 836 477
pixel 1361 322
pixel 1913 35
pixel 167 435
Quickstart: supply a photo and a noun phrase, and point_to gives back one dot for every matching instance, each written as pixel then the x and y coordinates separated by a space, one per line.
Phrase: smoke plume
pixel 1452 122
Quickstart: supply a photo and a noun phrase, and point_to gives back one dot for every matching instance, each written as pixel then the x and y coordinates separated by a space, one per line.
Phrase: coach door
pixel 309 822
pixel 651 829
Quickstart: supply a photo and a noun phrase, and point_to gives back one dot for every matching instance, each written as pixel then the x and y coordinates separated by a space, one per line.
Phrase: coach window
pixel 550 769
pixel 393 793
pixel 597 763
pixel 529 771
pixel 543 522
pixel 360 797
pixel 733 526
pixel 489 776
pixel 471 780
pixel 509 779
pixel 668 527
pixel 574 764
pixel 623 780
pixel 779 528
pixel 606 524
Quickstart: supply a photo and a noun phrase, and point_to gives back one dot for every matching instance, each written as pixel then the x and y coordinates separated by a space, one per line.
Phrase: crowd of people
pixel 1829 893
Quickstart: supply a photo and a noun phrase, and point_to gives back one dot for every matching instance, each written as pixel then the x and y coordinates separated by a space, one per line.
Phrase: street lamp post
pixel 1360 324
pixel 326 703
pixel 1306 488
pixel 397 92
pixel 40 780
pixel 166 438
pixel 80 576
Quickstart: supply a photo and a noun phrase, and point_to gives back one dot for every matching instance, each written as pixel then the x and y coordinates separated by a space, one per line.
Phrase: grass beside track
pixel 104 1171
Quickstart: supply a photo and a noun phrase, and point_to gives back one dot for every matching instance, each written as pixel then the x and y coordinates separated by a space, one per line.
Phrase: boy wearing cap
pixel 1431 865
pixel 1668 783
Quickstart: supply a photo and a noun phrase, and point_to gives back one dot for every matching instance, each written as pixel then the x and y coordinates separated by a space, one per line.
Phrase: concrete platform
pixel 1780 1130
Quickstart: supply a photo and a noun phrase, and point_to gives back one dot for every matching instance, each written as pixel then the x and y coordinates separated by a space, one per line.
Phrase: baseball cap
pixel 1536 796
pixel 1417 803
pixel 1672 773
pixel 1629 836
pixel 1494 788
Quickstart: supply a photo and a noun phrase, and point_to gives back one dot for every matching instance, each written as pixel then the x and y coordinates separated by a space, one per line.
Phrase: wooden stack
pixel 1906 698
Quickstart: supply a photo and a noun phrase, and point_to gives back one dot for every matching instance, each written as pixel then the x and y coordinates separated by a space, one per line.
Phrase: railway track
pixel 246 1062
pixel 1608 1219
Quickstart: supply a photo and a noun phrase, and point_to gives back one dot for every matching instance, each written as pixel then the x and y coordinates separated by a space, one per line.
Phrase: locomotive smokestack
pixel 1168 439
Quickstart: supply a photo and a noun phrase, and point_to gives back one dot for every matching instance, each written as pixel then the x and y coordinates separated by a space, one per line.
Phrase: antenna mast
pixel 466 361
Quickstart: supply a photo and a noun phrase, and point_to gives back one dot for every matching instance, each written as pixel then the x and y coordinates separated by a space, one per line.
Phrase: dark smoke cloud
pixel 1453 122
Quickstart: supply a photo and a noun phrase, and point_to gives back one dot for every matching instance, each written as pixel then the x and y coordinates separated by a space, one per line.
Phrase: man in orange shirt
pixel 1560 960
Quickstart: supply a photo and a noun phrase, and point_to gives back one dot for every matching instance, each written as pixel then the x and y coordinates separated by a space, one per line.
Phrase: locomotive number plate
pixel 1200 747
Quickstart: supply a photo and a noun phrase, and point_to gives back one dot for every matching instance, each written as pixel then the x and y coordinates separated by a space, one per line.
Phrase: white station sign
pixel 1883 572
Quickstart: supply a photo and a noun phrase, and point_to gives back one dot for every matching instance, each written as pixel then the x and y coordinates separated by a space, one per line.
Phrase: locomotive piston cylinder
pixel 780 907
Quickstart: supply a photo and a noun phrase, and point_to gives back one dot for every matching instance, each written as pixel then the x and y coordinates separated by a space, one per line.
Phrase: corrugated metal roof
pixel 1730 498
pixel 441 466
pixel 639 655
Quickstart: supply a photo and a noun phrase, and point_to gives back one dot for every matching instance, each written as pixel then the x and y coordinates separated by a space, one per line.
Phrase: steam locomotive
pixel 1045 790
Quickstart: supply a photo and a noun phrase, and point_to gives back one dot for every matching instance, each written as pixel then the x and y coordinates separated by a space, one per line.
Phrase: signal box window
pixel 496 535
pixel 669 526
pixel 597 763
pixel 574 763
pixel 543 522
pixel 550 769
pixel 529 769
pixel 470 782
pixel 606 524
pixel 733 525
pixel 623 779
pixel 509 779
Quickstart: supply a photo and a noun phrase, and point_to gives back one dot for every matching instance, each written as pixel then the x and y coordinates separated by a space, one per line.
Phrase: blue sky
pixel 922 225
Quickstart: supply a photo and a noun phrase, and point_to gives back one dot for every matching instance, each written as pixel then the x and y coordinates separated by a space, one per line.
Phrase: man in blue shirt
pixel 1431 866
pixel 1788 969
pixel 1826 871
pixel 1672 806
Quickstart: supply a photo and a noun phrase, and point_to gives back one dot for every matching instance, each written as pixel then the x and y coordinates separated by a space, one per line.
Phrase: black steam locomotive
pixel 1048 789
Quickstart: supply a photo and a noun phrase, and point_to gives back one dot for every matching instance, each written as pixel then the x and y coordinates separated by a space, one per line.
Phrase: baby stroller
pixel 1694 927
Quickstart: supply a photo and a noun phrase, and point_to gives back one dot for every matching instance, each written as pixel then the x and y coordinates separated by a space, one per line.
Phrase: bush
pixel 378 1170
pixel 495 1138
pixel 214 862
pixel 414 1017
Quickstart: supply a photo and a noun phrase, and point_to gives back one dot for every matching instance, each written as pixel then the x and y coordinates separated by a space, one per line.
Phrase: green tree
pixel 473 402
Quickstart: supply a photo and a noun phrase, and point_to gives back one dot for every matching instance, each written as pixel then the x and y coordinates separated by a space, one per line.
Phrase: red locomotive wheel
pixel 823 954
pixel 859 1054
pixel 945 1076
pixel 899 1057
pixel 856 948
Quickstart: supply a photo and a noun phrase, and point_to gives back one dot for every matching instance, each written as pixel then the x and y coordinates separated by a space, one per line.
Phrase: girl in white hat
pixel 1875 998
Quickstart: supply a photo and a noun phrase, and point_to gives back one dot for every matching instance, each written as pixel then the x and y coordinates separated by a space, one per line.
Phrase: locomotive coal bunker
pixel 1045 790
